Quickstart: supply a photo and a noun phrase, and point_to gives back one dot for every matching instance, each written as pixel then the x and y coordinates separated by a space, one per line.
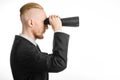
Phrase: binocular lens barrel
pixel 70 21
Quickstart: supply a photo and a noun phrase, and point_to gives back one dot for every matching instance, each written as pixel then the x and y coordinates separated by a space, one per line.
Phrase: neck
pixel 28 33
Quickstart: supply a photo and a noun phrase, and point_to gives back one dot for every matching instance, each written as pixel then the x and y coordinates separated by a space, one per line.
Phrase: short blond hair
pixel 29 6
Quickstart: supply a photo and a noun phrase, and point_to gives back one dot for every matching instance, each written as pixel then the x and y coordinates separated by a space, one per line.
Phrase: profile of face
pixel 37 22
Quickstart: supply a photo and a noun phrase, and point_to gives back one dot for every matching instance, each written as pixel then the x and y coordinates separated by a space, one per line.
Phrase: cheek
pixel 39 27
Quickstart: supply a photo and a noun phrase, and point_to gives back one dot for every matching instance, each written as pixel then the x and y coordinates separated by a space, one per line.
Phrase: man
pixel 28 62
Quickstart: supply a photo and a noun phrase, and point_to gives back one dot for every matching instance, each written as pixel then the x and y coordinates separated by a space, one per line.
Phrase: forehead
pixel 40 14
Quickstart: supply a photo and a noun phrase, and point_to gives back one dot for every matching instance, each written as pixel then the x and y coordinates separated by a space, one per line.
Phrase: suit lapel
pixel 38 48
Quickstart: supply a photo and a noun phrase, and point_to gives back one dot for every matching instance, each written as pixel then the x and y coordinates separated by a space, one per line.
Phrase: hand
pixel 55 22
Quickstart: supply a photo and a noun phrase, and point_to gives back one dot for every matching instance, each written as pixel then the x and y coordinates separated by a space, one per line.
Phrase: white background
pixel 94 47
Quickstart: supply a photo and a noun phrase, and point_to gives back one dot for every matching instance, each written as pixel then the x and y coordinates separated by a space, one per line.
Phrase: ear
pixel 30 23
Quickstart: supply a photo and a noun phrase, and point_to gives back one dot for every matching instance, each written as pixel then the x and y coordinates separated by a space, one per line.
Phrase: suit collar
pixel 28 38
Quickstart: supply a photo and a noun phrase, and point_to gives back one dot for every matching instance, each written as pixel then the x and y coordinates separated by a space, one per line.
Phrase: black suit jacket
pixel 29 63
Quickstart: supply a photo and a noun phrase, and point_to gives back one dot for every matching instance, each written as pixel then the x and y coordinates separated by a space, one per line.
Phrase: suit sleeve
pixel 37 61
pixel 58 60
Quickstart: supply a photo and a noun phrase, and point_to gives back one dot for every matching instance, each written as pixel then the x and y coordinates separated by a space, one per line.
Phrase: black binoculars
pixel 70 21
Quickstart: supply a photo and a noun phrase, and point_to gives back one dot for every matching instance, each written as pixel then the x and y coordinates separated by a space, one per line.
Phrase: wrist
pixel 57 28
pixel 58 31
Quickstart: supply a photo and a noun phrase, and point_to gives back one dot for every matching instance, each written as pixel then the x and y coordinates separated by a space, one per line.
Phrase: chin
pixel 40 37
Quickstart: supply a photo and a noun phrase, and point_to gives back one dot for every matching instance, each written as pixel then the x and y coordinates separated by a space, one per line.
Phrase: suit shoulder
pixel 21 45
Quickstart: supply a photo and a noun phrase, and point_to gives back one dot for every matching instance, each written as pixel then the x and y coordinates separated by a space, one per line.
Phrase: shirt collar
pixel 29 39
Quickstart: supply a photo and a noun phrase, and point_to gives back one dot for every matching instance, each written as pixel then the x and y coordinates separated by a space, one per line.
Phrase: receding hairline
pixel 29 6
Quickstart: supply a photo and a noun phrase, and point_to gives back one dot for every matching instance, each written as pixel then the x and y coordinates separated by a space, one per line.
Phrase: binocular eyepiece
pixel 70 21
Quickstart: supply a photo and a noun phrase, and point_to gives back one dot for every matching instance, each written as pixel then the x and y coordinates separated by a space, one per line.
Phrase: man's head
pixel 32 17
